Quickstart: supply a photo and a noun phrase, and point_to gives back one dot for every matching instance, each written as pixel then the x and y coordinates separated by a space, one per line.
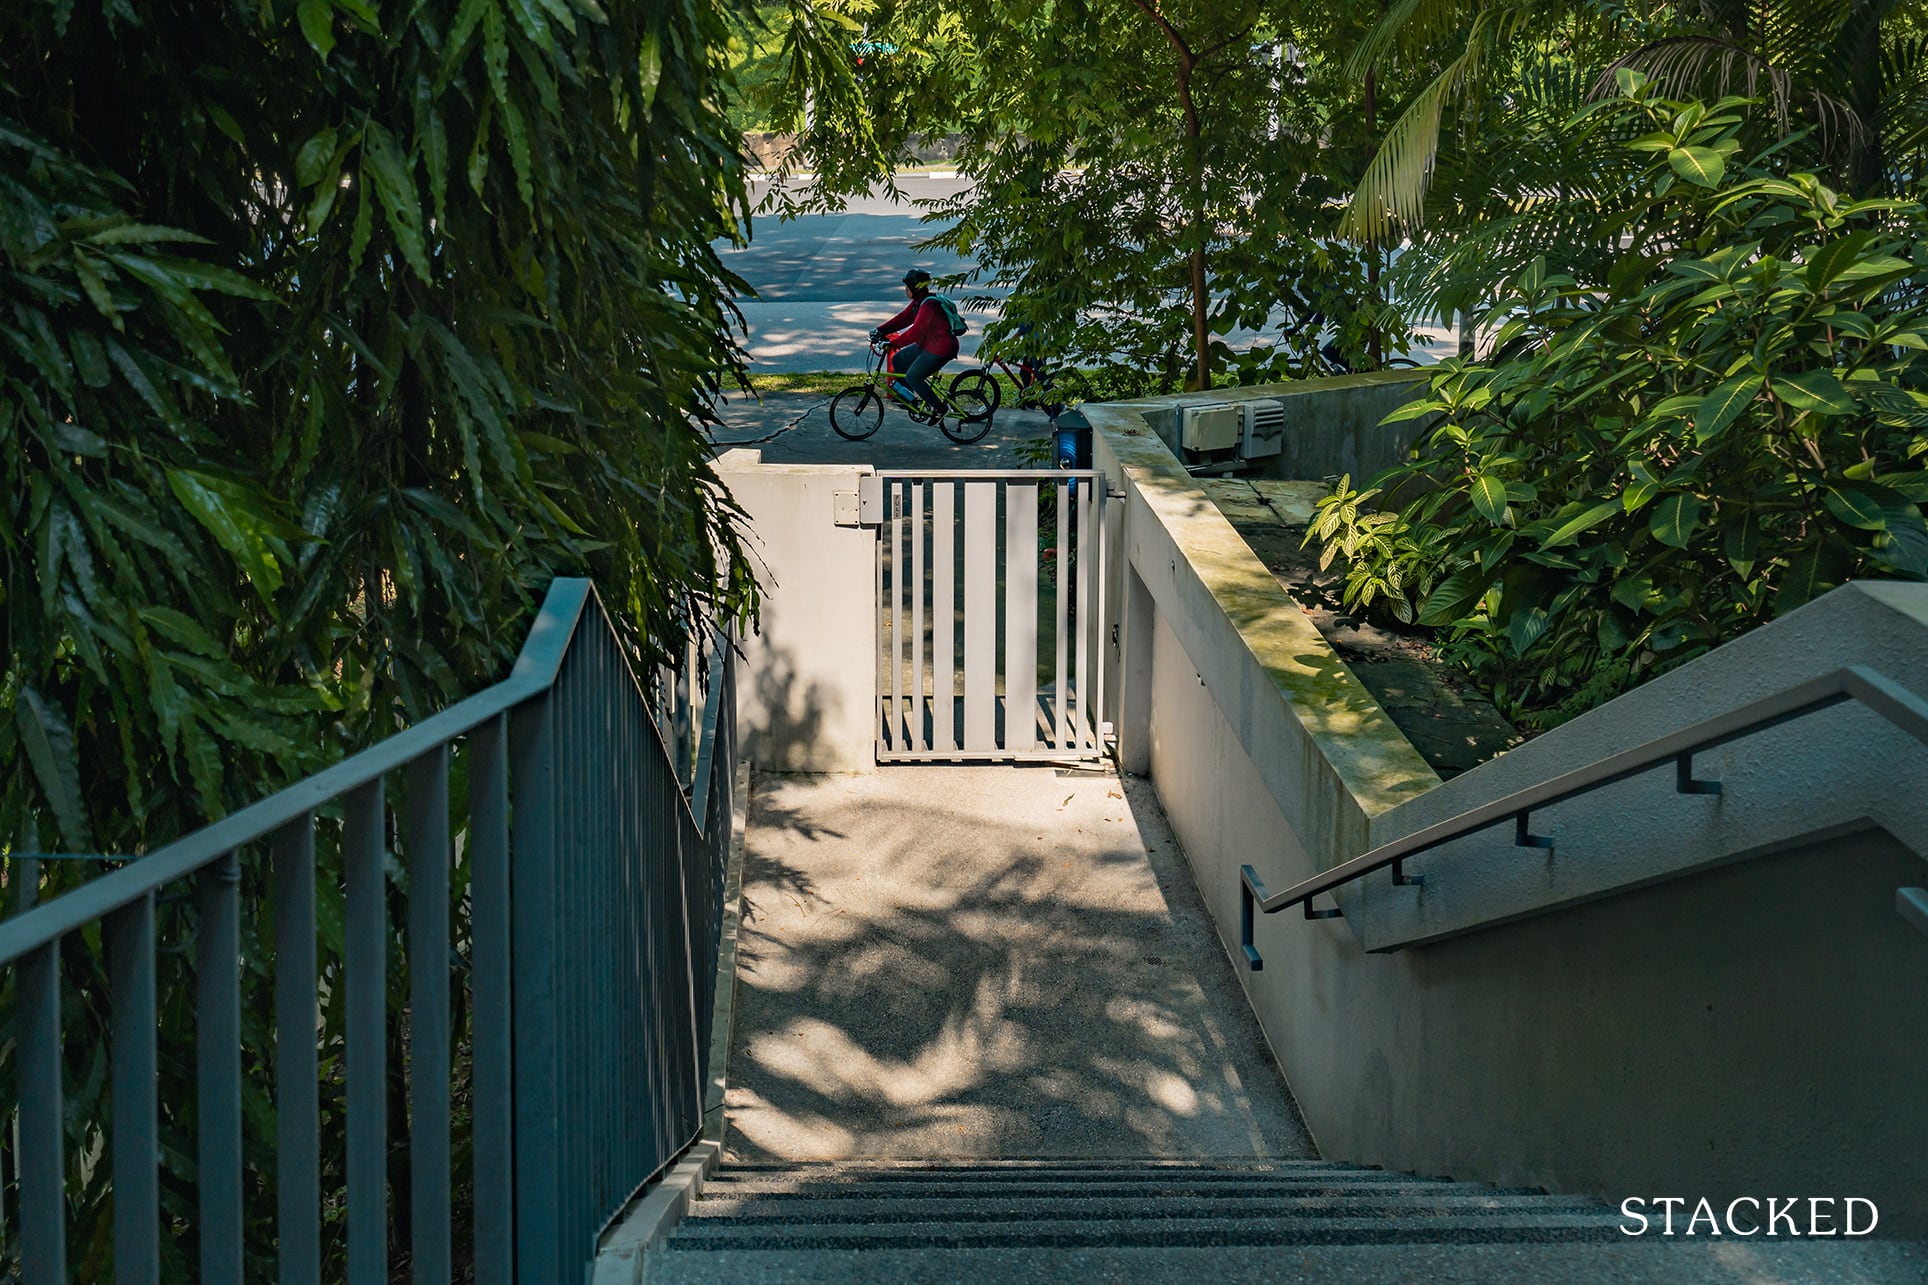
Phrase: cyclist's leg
pixel 902 361
pixel 918 376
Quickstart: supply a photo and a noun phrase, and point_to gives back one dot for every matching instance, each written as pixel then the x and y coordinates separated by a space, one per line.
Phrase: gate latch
pixel 868 509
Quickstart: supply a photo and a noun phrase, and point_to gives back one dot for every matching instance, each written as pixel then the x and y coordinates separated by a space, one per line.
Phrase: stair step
pixel 706 1234
pixel 1080 1164
pixel 1645 1261
pixel 763 1211
pixel 1141 1189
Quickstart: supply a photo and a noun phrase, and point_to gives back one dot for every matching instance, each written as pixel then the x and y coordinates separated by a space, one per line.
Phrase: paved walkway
pixel 981 961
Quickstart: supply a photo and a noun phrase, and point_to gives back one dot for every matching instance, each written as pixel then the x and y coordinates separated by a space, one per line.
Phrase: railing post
pixel 493 1048
pixel 43 1170
pixel 428 1029
pixel 366 965
pixel 532 903
pixel 132 1048
pixel 217 1037
pixel 297 1073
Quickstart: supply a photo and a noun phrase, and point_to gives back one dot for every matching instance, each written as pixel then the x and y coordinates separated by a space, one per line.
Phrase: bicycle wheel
pixel 981 382
pixel 968 417
pixel 856 412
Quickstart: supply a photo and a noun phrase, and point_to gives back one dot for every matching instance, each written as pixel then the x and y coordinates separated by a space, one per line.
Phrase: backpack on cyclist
pixel 958 325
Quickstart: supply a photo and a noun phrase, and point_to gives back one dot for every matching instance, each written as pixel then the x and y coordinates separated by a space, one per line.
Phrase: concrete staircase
pixel 1103 1219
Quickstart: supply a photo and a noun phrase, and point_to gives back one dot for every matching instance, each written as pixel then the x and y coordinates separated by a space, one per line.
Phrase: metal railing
pixel 1877 692
pixel 590 893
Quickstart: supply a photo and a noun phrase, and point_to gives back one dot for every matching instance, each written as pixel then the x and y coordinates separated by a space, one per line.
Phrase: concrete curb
pixel 655 1211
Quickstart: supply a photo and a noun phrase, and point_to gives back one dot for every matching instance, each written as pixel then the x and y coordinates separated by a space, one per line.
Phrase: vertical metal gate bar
pixel 919 737
pixel 883 612
pixel 365 945
pixel 137 1135
pixel 894 506
pixel 428 1021
pixel 217 1040
pixel 1100 562
pixel 1061 689
pixel 1086 562
pixel 1021 616
pixel 980 617
pixel 493 1195
pixel 534 908
pixel 943 616
pixel 43 1171
pixel 297 1061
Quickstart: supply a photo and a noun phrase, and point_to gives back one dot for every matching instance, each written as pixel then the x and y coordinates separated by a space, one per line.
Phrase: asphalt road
pixel 824 280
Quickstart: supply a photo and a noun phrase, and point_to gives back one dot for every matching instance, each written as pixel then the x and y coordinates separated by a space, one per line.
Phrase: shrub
pixel 1729 423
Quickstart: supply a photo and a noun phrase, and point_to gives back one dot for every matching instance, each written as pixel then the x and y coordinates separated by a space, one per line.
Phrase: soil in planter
pixel 1448 721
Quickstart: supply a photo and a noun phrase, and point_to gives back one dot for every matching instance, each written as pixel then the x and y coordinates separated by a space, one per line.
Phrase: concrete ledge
pixel 653 1212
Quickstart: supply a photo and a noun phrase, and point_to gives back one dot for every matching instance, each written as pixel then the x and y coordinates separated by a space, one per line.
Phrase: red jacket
pixel 929 329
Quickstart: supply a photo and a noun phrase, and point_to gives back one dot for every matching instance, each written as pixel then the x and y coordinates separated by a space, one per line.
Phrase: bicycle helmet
pixel 917 279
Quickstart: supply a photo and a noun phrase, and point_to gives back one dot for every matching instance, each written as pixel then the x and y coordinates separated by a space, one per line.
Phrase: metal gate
pixel 989 603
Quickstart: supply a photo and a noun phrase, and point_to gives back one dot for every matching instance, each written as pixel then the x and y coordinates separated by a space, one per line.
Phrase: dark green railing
pixel 592 909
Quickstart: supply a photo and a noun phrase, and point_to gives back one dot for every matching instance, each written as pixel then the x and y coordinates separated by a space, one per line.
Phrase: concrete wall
pixel 807 695
pixel 1691 996
pixel 1332 425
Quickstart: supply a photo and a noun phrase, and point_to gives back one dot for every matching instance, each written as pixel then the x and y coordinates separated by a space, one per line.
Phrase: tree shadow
pixel 926 977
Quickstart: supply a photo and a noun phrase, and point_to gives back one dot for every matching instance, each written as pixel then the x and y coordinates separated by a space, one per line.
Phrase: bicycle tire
pixel 856 412
pixel 967 419
pixel 981 381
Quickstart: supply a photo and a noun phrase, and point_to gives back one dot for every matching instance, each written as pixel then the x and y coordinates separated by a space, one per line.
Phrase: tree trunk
pixel 1195 197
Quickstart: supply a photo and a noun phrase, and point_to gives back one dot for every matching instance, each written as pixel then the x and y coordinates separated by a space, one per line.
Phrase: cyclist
pixel 922 338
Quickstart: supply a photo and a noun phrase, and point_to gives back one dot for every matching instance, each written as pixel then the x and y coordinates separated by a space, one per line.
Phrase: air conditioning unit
pixel 1262 431
pixel 1205 430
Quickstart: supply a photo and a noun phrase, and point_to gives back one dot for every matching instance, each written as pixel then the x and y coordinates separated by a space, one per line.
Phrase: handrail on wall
pixel 1878 692
pixel 594 897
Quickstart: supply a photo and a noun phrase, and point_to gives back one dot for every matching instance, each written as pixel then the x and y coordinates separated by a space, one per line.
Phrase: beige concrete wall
pixel 1691 996
pixel 806 698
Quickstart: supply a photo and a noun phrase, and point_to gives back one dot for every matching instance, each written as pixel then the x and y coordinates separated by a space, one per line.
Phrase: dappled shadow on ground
pixel 976 962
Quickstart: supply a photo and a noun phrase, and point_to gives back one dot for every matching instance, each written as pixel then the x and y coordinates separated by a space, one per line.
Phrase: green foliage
pixel 1146 178
pixel 329 334
pixel 1721 423
pixel 1385 558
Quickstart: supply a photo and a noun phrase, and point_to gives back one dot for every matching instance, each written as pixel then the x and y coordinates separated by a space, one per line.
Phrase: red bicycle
pixel 1040 387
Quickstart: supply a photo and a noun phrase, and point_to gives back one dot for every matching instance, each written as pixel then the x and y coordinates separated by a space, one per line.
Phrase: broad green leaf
pixel 1526 626
pixel 1811 572
pixel 394 181
pixel 1586 520
pixel 1742 539
pixel 1698 165
pixel 1454 596
pixel 1905 548
pixel 651 70
pixel 315 159
pixel 317 19
pixel 49 744
pixel 1489 498
pixel 233 528
pixel 1870 506
pixel 1833 258
pixel 1854 507
pixel 1720 408
pixel 1815 390
pixel 1675 519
